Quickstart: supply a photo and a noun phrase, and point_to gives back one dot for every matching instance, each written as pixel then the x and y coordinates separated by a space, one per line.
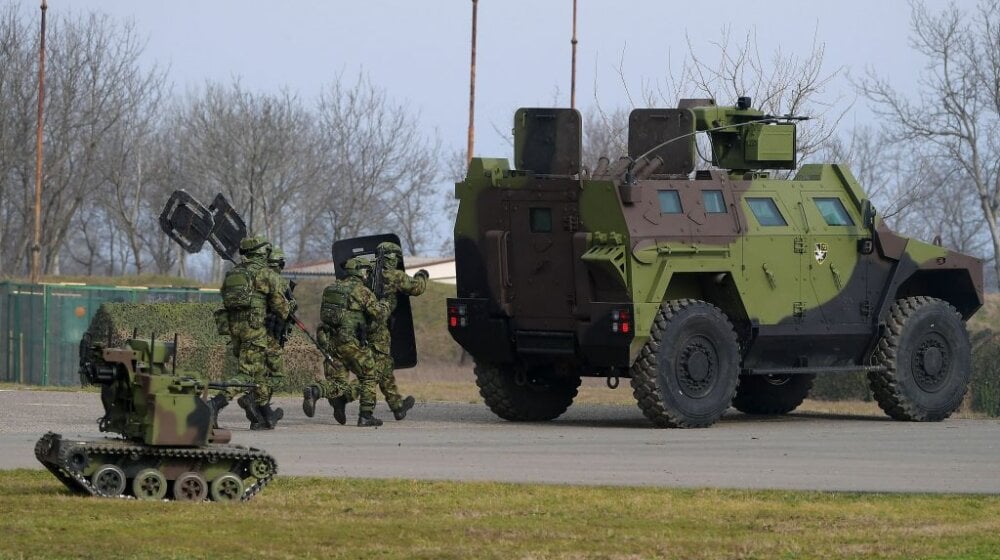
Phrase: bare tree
pixel 255 148
pixel 382 168
pixel 955 113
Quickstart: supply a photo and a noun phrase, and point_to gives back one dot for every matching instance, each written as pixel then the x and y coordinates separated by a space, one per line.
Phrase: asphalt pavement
pixel 590 444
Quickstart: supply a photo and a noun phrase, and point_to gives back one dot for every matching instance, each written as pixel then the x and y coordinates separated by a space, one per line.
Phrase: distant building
pixel 441 269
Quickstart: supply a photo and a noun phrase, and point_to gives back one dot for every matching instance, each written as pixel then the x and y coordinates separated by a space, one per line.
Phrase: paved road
pixel 590 444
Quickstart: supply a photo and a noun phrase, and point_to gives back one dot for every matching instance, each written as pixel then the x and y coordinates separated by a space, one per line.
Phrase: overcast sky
pixel 419 50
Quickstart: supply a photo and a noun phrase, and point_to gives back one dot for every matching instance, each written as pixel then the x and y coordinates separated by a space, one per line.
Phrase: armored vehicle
pixel 706 287
pixel 168 445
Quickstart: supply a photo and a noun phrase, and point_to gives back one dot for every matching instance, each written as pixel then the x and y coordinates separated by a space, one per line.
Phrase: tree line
pixel 351 160
pixel 118 141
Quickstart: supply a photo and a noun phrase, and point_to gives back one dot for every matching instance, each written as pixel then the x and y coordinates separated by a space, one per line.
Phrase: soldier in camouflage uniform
pixel 395 282
pixel 251 291
pixel 349 311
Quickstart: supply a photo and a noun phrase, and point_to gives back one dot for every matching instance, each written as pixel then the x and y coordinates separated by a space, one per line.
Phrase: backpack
pixel 238 288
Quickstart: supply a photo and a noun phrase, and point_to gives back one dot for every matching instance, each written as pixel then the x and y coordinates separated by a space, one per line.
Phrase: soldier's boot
pixel 404 406
pixel 216 404
pixel 339 405
pixel 365 420
pixel 249 407
pixel 309 397
pixel 270 417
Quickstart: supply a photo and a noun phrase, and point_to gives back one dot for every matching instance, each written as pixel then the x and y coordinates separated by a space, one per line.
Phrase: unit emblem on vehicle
pixel 821 250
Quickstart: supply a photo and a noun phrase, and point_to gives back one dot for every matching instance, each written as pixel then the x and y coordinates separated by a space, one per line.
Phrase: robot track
pixel 121 469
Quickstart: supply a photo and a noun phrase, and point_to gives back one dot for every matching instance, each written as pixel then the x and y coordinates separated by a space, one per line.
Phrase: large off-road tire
pixel 772 394
pixel 528 396
pixel 687 373
pixel 927 360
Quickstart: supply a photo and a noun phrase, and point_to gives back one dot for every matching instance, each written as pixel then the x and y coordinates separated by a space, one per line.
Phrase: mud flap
pixel 404 344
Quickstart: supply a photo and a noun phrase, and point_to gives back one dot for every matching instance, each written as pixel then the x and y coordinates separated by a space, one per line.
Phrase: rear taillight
pixel 621 321
pixel 457 316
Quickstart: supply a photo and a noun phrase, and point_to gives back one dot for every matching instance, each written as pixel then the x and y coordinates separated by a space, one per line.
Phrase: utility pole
pixel 472 87
pixel 572 84
pixel 36 246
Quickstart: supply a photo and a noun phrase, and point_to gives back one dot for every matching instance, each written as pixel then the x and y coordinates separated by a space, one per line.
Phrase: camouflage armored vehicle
pixel 168 446
pixel 707 288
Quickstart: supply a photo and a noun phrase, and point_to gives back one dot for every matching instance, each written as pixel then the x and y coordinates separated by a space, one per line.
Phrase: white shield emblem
pixel 820 253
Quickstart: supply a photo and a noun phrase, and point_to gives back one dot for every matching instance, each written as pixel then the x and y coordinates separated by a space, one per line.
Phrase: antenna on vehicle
pixel 174 369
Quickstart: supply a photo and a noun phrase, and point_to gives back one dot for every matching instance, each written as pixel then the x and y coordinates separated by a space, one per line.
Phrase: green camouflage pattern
pixel 349 313
pixel 605 237
pixel 168 442
pixel 396 282
pixel 258 353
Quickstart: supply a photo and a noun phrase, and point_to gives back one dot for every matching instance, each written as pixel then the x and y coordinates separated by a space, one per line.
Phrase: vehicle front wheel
pixel 925 360
pixel 522 394
pixel 687 373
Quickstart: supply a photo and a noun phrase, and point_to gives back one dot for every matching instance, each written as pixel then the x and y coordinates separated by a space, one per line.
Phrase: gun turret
pixel 744 138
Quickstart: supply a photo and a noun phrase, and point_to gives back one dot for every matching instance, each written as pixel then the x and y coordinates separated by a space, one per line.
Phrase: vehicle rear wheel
pixel 687 373
pixel 772 394
pixel 927 360
pixel 522 394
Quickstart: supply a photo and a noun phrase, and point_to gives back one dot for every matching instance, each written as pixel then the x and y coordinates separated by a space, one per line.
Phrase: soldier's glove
pixel 423 273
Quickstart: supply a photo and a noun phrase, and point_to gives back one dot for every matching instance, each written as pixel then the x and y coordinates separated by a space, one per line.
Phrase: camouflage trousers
pixel 337 373
pixel 259 361
pixel 386 380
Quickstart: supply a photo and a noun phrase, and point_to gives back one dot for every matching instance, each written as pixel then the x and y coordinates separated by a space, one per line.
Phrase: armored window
pixel 670 202
pixel 833 212
pixel 713 201
pixel 541 220
pixel 766 212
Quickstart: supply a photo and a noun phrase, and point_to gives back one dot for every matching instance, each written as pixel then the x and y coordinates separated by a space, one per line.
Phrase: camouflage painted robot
pixel 706 288
pixel 168 447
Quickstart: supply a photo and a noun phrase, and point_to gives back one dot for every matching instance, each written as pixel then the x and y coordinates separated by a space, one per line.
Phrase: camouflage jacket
pixel 396 282
pixel 351 310
pixel 267 294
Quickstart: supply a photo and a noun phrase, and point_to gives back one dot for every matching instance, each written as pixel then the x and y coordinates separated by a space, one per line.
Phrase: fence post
pixel 45 334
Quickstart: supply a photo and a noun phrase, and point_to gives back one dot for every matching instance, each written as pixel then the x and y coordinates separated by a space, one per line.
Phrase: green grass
pixel 314 518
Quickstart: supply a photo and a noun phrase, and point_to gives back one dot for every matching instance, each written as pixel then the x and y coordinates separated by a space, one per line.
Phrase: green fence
pixel 42 325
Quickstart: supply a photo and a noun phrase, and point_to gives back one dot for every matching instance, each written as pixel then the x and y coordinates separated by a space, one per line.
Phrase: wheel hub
pixel 696 371
pixel 930 364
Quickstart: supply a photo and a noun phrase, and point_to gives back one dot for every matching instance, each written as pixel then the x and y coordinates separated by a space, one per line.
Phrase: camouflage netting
pixel 201 349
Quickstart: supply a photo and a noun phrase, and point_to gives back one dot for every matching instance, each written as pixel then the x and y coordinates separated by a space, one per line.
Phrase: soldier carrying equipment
pixel 349 309
pixel 252 291
pixel 393 282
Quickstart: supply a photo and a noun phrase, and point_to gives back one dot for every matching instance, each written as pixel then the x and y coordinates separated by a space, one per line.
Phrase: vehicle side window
pixel 833 212
pixel 541 220
pixel 670 202
pixel 713 201
pixel 766 212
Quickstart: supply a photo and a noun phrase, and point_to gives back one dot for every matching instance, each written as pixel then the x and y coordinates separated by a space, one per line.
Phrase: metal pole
pixel 36 247
pixel 472 87
pixel 572 84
